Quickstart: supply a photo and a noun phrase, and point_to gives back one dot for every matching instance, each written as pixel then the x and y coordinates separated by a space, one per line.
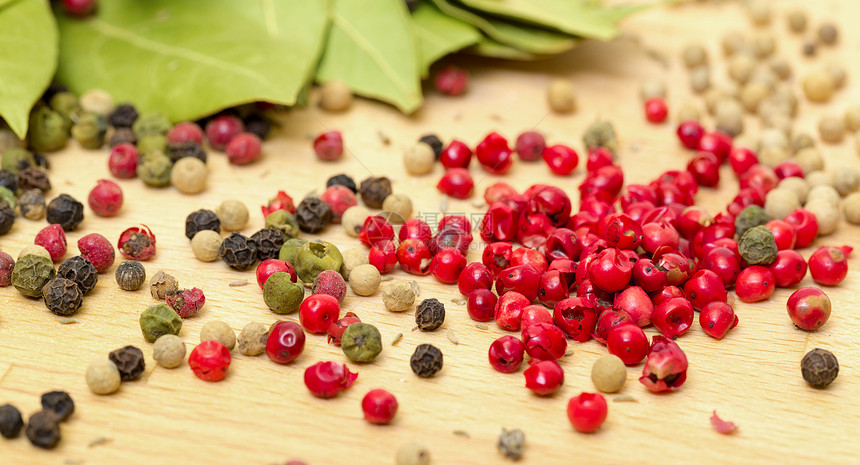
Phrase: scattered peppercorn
pixel 185 149
pixel 353 258
pixel 219 331
pixel 601 133
pixel 11 421
pixel 90 130
pixel 819 368
pixel 31 273
pixel 757 246
pixel 162 284
pixel 419 159
pixel 361 342
pixel 398 296
pixel 285 221
pixel 281 294
pixel 120 136
pixel 47 130
pixel 364 280
pixel 158 320
pixel 561 96
pixel 430 315
pixel 188 175
pixel 129 361
pixel 342 180
pixel 186 302
pixel 32 204
pixel 233 215
pixel 62 296
pixel 154 169
pixel 7 218
pixel 828 33
pixel 80 271
pixel 103 377
pixel 258 125
pixel 434 142
pixel 17 159
pixel 123 116
pixel 168 351
pixel 397 208
pixel 314 257
pixel 426 361
pixel 374 190
pixel 65 211
pixel 313 215
pixel 58 402
pixel 43 429
pixel 335 96
pixel 205 245
pixel 33 178
pixel 252 339
pixel 353 218
pixel 238 251
pixel 749 218
pixel 201 220
pixel 511 443
pixel 130 275
pixel 268 242
pixel 412 454
pixel 7 264
pixel 608 373
pixel 290 250
pixel 9 180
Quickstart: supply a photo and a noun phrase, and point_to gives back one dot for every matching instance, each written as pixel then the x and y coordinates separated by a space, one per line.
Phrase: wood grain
pixel 263 414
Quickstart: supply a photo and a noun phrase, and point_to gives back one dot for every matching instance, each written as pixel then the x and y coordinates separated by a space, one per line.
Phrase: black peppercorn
pixel 426 361
pixel 184 149
pixel 129 360
pixel 819 368
pixel 122 136
pixel 9 180
pixel 434 142
pixel 268 242
pixel 313 215
pixel 60 403
pixel 81 271
pixel 32 204
pixel 123 116
pixel 201 220
pixel 62 296
pixel 374 190
pixel 130 275
pixel 41 161
pixel 429 315
pixel 258 125
pixel 43 429
pixel 342 180
pixel 238 251
pixel 33 178
pixel 7 218
pixel 66 212
pixel 11 421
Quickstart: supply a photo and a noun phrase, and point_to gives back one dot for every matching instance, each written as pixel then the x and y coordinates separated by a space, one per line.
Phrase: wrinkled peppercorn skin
pixel 361 342
pixel 819 368
pixel 430 315
pixel 11 421
pixel 43 429
pixel 426 361
pixel 62 296
pixel 130 362
pixel 81 271
pixel 123 116
pixel 374 190
pixel 238 251
pixel 58 402
pixel 33 178
pixel 341 180
pixel 31 273
pixel 65 211
pixel 130 275
pixel 201 220
pixel 313 215
pixel 269 242
pixel 159 320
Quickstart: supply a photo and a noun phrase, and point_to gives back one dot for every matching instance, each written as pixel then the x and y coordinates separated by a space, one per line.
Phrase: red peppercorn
pixel 286 342
pixel 703 287
pixel 629 343
pixel 742 159
pixel 122 161
pixel 717 318
pixel 508 313
pixel 610 271
pixel 500 192
pixel 544 377
pixel 106 198
pixel 676 265
pixel 690 133
pixel 221 130
pixel 784 234
pixel 666 366
pixel 243 149
pixel 523 279
pixel 808 308
pixel 80 8
pixel 827 265
pixel 561 159
pixel 755 283
pixel 656 110
pixel 481 305
pixel 271 266
pixel 379 407
pixel 788 169
pixel 210 360
pixel 544 341
pixel 759 177
pixel 494 155
pixel 375 229
pixel 805 225
pixel 447 265
pixel 692 220
pixel 717 143
pixel 98 250
pixel 456 155
pixel 530 145
pixel 137 243
pixel 587 412
pixel 414 257
pixel 609 319
pixel 668 292
pixel 336 329
pixel 673 317
pixel 605 182
pixel 327 379
pixel 415 228
pixel 705 168
pixel 452 81
pixel 281 201
pixel 499 224
pixel 659 234
pixel 576 317
pixel 473 277
pixel 339 198
pixel 53 239
pixel 635 302
pixel 724 263
pixel 186 302
pixel 534 314
pixel 383 255
pixel 527 256
pixel 506 354
pixel 789 268
pixel 318 312
pixel 329 146
pixel 553 288
pixel 648 276
pixel 457 183
pixel 185 131
pixel 450 237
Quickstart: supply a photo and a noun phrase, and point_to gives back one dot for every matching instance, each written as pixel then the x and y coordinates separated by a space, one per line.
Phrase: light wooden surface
pixel 262 412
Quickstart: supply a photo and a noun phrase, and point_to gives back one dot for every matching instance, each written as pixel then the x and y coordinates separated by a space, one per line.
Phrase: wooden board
pixel 262 413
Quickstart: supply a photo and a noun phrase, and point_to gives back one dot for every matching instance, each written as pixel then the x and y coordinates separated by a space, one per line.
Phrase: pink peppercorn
pixel 827 265
pixel 494 155
pixel 481 305
pixel 457 183
pixel 327 379
pixel 383 255
pixel 330 282
pixel 742 159
pixel 666 366
pixel 186 302
pixel 447 265
pixel 690 133
pixel 456 155
pixel 106 198
pixel 717 318
pixel 509 310
pixel 53 239
pixel 339 198
pixel 656 110
pixel 755 283
pixel 452 81
pixel 789 268
pixel 544 377
pixel 379 407
pixel 122 161
pixel 271 266
pixel 221 130
pixel 329 145
pixel 808 308
pixel 544 341
pixel 243 149
pixel 185 131
pixel 530 146
pixel 561 159
pixel 587 412
pixel 335 330
pixel 534 314
pixel 98 250
pixel 7 263
pixel 506 354
pixel 209 361
pixel 137 243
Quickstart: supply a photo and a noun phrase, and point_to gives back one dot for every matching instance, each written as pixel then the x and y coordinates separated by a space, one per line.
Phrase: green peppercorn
pixel 601 134
pixel 154 169
pixel 281 294
pixel 361 342
pixel 8 197
pixel 90 130
pixel 290 249
pixel 152 143
pixel 315 257
pixel 48 130
pixel 158 320
pixel 757 246
pixel 285 221
pixel 15 160
pixel 31 273
pixel 749 218
pixel 66 104
pixel 32 204
pixel 151 124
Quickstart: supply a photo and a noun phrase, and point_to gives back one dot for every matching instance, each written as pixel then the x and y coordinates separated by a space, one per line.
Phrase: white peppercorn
pixel 779 203
pixel 764 44
pixel 168 351
pixel 561 96
pixel 797 21
pixel 821 178
pixel 851 207
pixel 729 117
pixel 397 208
pixel 694 55
pixel 852 118
pixel 779 122
pixel 205 245
pixel 103 377
pixel 335 96
pixel 219 331
pixel 419 159
pixel 759 12
pixel 34 249
pixel 398 296
pixel 608 374
pixel 753 93
pixel 824 193
pixel 96 101
pixel 797 185
pixel 700 79
pixel 188 175
pixel 232 214
pixel 351 259
pixel 828 33
pixel 772 156
pixel 826 214
pixel 780 67
pixel 772 137
pixel 809 160
pixel 353 219
pixel 847 179
pixel 689 112
pixel 364 280
pixel 818 86
pixel 252 339
pixel 412 454
pixel 837 73
pixel 741 67
pixel 732 42
pixel 831 128
pixel 800 141
pixel 652 88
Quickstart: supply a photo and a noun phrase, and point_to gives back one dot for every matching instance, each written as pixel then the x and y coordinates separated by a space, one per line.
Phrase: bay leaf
pixel 188 60
pixel 28 58
pixel 439 34
pixel 487 47
pixel 521 36
pixel 372 48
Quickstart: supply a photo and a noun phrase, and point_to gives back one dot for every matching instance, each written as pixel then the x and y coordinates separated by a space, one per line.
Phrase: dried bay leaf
pixel 372 48
pixel 189 61
pixel 439 34
pixel 487 47
pixel 28 58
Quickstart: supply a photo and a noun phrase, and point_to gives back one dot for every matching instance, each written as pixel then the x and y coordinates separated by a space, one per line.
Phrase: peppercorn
pixel 828 33
pixel 97 101
pixel 749 218
pixel 65 211
pixel 32 204
pixel 80 271
pixel 7 264
pixel 652 88
pixel 561 96
pixel 313 215
pixel 186 149
pixel 123 116
pixel 219 331
pixel 205 245
pixel 11 421
pixel 342 180
pixel 9 180
pixel 284 221
pixel 831 128
pixel 601 134
pixel 757 246
pixel 252 339
pixel 819 368
pixel 7 218
pixel 780 202
pixel 66 104
pixel 608 374
pixel 335 96
pixel 809 159
pixel 233 215
pixel 48 130
pixel 851 206
pixel 281 294
pixel 824 180
pixel 43 429
pixel 201 220
pixel 353 219
pixel 238 251
pixel 352 258
pixel 290 250
pixel 511 443
pixel 158 320
pixel 426 361
pixel 154 169
pixel 90 130
pixel 796 185
pixel 412 454
pixel 258 125
pixel 818 86
pixel 364 280
pixel 120 136
pixel 188 176
pixel 419 159
pixel 430 315
pixel 168 351
pixel 162 284
pixel 31 273
pixel 729 117
pixel 7 198
pixel 694 56
pixel 15 160
pixel 826 215
pixel 361 342
pixel 374 190
pixel 62 296
pixel 129 361
pixel 397 208
pixel 130 275
pixel 700 81
pixel 314 257
pixel 268 242
pixel 803 140
pixel 103 377
pixel 796 21
pixel 151 124
pixel 398 296
pixel 58 402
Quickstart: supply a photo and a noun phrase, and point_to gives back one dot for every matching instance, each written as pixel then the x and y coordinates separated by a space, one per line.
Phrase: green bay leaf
pixel 188 60
pixel 28 58
pixel 372 48
pixel 487 47
pixel 439 34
